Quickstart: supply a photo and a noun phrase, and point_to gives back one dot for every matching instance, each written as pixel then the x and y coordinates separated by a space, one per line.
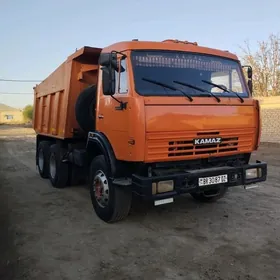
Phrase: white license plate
pixel 213 180
pixel 164 201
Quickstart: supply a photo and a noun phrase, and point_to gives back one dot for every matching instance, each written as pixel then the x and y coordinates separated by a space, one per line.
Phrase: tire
pixel 43 158
pixel 118 203
pixel 85 109
pixel 211 195
pixel 58 171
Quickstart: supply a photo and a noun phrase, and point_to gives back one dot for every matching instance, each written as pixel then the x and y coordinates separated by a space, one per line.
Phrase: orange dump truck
pixel 155 119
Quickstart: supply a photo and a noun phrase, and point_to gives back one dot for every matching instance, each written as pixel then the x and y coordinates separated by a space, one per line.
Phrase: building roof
pixel 4 107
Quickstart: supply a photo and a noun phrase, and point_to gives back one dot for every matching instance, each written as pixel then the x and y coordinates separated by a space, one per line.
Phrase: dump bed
pixel 55 97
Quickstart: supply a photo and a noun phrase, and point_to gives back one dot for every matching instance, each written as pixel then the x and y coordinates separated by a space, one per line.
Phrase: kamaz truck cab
pixel 161 119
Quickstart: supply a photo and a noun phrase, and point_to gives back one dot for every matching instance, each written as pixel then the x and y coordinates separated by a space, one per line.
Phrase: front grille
pixel 180 145
pixel 186 148
pixel 180 148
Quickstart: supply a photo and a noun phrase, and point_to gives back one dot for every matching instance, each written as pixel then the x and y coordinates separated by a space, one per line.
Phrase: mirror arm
pixel 121 53
pixel 114 63
pixel 116 99
pixel 122 104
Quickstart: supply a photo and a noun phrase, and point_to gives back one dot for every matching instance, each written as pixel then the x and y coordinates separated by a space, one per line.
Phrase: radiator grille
pixel 181 148
pixel 164 146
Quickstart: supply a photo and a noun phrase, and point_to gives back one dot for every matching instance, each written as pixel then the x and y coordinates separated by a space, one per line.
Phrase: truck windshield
pixel 190 68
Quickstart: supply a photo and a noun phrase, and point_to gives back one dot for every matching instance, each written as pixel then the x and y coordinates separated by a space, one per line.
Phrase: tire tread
pixel 61 179
pixel 121 198
pixel 45 145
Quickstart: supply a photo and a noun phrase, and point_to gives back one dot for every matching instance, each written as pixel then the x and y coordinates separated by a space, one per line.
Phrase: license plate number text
pixel 220 179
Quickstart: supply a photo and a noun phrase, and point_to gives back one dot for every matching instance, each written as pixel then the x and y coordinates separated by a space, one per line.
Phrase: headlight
pixel 163 186
pixel 253 173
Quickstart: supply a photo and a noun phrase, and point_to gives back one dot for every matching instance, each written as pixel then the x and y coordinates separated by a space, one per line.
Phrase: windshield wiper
pixel 167 86
pixel 224 89
pixel 197 88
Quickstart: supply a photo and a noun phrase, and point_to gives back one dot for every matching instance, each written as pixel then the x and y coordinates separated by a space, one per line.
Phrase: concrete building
pixel 10 115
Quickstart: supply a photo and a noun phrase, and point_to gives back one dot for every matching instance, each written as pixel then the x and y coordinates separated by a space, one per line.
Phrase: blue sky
pixel 37 36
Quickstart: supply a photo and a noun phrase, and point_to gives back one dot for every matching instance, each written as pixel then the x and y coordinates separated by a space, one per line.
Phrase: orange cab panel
pixel 171 131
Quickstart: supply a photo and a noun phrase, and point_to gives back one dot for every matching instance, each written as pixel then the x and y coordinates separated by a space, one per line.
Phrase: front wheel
pixel 211 195
pixel 110 202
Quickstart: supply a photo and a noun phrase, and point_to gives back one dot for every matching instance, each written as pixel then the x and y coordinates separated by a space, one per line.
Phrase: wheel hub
pixel 101 189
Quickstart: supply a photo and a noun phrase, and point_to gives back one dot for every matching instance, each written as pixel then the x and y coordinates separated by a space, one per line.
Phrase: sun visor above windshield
pixel 210 63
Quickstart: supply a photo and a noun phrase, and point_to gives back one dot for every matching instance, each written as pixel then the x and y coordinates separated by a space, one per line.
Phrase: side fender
pixel 98 143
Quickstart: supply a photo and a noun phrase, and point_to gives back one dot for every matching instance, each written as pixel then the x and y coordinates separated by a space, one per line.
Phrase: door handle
pixel 100 116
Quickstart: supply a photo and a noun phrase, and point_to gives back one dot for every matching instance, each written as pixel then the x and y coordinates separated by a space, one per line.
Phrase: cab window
pixel 122 78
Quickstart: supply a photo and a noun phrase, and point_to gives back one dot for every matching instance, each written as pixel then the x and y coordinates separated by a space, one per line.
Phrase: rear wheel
pixel 211 195
pixel 43 158
pixel 110 202
pixel 58 170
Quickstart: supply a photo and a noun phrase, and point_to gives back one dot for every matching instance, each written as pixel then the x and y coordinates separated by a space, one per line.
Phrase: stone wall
pixel 270 114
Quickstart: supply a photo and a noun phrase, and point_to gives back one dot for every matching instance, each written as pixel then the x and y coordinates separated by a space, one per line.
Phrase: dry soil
pixel 48 233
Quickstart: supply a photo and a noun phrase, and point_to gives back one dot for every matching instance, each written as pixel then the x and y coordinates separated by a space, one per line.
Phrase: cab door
pixel 112 119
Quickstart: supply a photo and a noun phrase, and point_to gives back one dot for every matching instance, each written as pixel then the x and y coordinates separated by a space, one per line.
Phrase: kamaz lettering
pixel 202 141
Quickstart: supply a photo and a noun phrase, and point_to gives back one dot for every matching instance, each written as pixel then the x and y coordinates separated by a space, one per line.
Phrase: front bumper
pixel 187 182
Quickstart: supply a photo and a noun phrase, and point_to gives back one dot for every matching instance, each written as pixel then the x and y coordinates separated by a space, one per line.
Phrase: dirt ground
pixel 17 131
pixel 48 233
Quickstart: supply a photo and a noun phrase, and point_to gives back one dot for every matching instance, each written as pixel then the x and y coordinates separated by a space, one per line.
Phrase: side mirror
pixel 110 65
pixel 250 77
pixel 108 62
pixel 249 72
pixel 111 60
pixel 108 80
pixel 250 85
pixel 107 59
